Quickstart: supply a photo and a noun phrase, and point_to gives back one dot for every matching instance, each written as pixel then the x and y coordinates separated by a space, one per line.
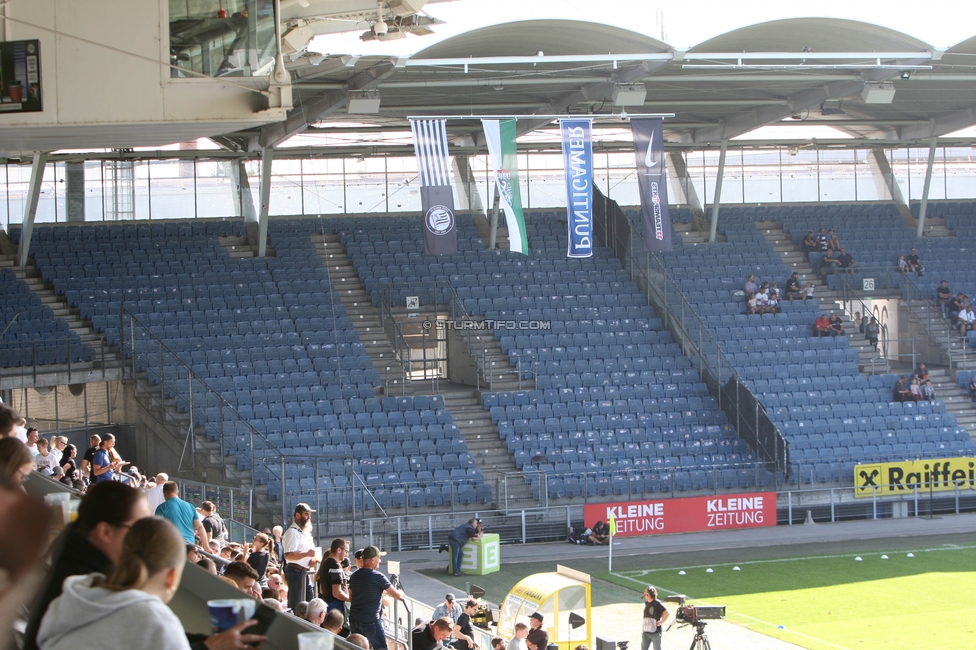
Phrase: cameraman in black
pixel 655 614
pixel 600 533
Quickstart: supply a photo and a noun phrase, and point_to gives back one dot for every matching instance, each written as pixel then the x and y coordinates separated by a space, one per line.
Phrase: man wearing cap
pixel 538 638
pixel 448 608
pixel 299 549
pixel 366 587
pixel 459 537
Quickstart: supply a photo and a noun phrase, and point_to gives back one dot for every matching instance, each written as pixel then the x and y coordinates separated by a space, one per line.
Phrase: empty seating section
pixel 272 339
pixel 616 402
pixel 31 332
pixel 830 414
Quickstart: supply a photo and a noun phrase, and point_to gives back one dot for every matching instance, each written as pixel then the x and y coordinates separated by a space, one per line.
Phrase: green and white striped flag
pixel 500 135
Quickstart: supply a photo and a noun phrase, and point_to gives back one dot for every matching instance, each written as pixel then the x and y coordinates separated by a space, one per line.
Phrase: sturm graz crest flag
pixel 436 194
pixel 649 147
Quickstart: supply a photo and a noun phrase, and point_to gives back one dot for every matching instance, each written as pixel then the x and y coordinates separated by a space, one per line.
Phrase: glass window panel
pixel 171 189
pixel 870 185
pixel 960 178
pixel 217 188
pixel 286 187
pixel 761 171
pixel 837 175
pixel 800 176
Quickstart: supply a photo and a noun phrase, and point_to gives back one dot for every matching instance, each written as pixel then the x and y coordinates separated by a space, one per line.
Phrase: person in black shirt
pixel 464 632
pixel 655 614
pixel 538 638
pixel 68 461
pixel 259 558
pixel 366 589
pixel 89 458
pixel 943 295
pixel 793 287
pixel 914 263
pixel 845 260
pixel 212 521
pixel 432 635
pixel 331 580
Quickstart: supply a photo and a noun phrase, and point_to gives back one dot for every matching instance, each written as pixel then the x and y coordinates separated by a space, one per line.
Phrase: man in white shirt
pixel 965 319
pixel 155 494
pixel 299 549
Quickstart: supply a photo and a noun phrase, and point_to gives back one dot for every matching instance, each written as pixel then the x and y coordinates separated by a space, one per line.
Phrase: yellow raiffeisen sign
pixel 888 479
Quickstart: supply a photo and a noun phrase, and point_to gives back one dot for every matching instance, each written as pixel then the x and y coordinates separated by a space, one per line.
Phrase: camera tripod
pixel 700 642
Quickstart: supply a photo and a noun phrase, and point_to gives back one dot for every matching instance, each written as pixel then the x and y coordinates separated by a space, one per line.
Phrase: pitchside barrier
pixel 666 516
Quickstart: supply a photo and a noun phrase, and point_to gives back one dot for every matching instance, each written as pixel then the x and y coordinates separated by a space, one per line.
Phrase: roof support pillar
pixel 267 155
pixel 925 190
pixel 683 179
pixel 886 177
pixel 243 197
pixel 30 208
pixel 493 222
pixel 718 192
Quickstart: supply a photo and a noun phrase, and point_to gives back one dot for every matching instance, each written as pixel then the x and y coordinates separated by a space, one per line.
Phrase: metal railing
pixel 928 315
pixel 235 504
pixel 649 271
pixel 69 358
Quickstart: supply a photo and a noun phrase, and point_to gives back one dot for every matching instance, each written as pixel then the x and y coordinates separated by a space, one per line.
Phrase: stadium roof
pixel 806 70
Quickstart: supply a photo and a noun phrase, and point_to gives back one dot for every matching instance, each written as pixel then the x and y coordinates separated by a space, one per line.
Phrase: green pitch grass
pixel 834 601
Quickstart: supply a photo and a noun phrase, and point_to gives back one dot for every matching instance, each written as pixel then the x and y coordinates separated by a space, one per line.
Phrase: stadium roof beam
pixel 939 125
pixel 796 103
pixel 589 92
pixel 300 117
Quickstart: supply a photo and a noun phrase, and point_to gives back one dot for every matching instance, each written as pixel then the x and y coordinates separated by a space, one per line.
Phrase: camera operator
pixel 655 614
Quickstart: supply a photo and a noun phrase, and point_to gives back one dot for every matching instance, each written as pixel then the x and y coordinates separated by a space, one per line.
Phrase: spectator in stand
pixel 68 462
pixel 762 300
pixel 279 554
pixel 367 587
pixel 833 244
pixel 872 331
pixel 103 467
pixel 154 494
pixel 942 296
pixel 821 327
pixel 92 544
pixel 315 611
pixel 432 635
pixel 331 579
pixel 89 457
pixel 859 322
pixel 448 608
pixel 9 422
pixel 902 393
pixel 913 263
pixel 828 264
pixel 822 241
pixel 750 287
pixel 359 640
pixel 752 305
pixel 793 287
pixel 259 558
pixel 207 565
pixel 192 553
pixel 915 389
pixel 972 390
pixel 463 630
pixel 212 522
pixel 924 382
pixel 774 298
pixel 956 305
pixel 183 515
pixel 32 437
pixel 333 623
pixel 965 320
pixel 45 461
pixel 538 638
pixel 809 244
pixel 58 443
pixel 299 548
pixel 901 264
pixel 498 643
pixel 845 261
pixel 808 292
pixel 127 609
pixel 16 462
pixel 836 325
pixel 243 575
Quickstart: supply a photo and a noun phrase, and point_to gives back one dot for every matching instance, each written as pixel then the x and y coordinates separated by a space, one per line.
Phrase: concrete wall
pixel 104 70
pixel 461 366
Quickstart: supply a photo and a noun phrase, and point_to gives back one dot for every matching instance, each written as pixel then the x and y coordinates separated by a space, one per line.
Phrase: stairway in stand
pixel 956 399
pixel 827 300
pixel 107 363
pixel 364 316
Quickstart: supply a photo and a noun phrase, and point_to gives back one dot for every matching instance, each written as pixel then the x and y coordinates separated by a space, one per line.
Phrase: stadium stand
pixel 31 332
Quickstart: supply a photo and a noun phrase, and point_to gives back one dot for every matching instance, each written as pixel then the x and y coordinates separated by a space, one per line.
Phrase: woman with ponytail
pixel 127 609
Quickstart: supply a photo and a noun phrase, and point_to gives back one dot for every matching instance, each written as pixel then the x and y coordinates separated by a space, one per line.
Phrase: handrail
pixel 684 316
pixel 33 369
pixel 918 303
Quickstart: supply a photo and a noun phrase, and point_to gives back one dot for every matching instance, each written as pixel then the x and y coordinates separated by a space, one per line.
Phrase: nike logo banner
pixel 578 160
pixel 436 193
pixel 649 147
